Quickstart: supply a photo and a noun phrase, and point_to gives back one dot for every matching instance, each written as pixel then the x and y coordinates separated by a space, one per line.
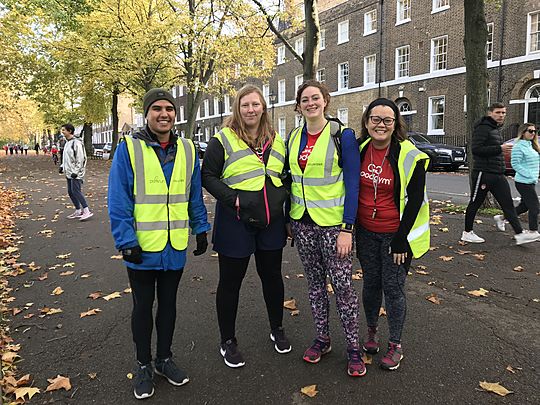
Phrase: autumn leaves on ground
pixel 472 322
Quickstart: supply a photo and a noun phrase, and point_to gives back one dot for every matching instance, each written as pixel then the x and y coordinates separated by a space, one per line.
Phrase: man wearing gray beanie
pixel 155 176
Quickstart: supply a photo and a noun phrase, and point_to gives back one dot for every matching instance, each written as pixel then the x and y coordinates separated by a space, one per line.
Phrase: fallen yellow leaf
pixel 295 312
pixel 446 258
pixel 70 264
pixel 443 229
pixel 95 295
pixel 67 273
pixel 113 295
pixel 367 358
pixel 479 293
pixel 117 257
pixel 433 298
pixel 57 291
pixel 495 387
pixel 290 304
pixel 129 376
pixel 518 268
pixel 92 375
pixel 29 391
pixel 86 275
pixel 309 390
pixel 382 311
pixel 65 256
pixel 127 290
pixel 90 312
pixel 58 383
pixel 479 256
pixel 9 357
pixel 329 288
pixel 422 272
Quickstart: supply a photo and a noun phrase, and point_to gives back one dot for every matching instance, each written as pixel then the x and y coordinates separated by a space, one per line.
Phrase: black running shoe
pixel 143 385
pixel 281 343
pixel 169 370
pixel 231 356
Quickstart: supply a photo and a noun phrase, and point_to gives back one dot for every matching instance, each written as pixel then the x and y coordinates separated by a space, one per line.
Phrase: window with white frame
pixel 436 115
pixel 180 91
pixel 370 22
pixel 403 11
pixel 266 93
pixel 439 52
pixel 206 108
pixel 343 76
pixel 299 46
pixel 216 105
pixel 370 69
pixel 533 32
pixel 298 120
pixel 281 91
pixel 489 42
pixel 207 134
pixel 440 5
pixel 282 129
pixel 403 55
pixel 301 10
pixel 321 75
pixel 226 104
pixel 322 43
pixel 173 91
pixel 343 32
pixel 181 114
pixel 343 115
pixel 281 54
pixel 199 112
pixel 404 106
pixel 298 80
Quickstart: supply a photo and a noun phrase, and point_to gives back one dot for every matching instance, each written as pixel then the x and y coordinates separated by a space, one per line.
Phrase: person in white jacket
pixel 74 167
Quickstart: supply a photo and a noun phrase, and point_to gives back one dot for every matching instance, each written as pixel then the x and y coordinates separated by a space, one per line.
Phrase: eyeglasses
pixel 531 131
pixel 376 120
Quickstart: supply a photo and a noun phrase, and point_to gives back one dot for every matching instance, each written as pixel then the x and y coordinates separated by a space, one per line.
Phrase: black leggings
pixel 529 202
pixel 143 286
pixel 498 185
pixel 231 274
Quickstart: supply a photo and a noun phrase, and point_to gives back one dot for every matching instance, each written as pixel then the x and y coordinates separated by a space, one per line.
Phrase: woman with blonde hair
pixel 526 162
pixel 242 169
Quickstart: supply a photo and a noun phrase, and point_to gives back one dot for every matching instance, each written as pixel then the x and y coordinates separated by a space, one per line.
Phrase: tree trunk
pixel 87 137
pixel 313 38
pixel 476 76
pixel 114 114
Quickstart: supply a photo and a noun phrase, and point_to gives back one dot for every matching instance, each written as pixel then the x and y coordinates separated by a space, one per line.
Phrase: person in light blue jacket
pixel 526 162
pixel 154 172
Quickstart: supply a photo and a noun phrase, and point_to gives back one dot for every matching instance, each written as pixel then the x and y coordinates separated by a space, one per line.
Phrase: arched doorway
pixel 532 104
pixel 406 111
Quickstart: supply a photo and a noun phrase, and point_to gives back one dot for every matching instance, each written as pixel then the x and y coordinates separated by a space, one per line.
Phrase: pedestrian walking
pixel 324 200
pixel 11 148
pixel 36 148
pixel 488 175
pixel 525 161
pixel 393 221
pixel 154 194
pixel 25 148
pixel 74 168
pixel 242 169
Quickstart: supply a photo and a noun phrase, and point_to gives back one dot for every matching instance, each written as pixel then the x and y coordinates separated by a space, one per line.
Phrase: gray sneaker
pixel 525 237
pixel 499 221
pixel 471 237
pixel 166 368
pixel 143 385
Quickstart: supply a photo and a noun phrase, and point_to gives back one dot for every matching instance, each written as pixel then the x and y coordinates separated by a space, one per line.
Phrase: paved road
pixel 449 347
pixel 455 187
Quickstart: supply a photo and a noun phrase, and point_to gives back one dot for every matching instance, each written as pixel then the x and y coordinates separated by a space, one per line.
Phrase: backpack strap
pixel 335 133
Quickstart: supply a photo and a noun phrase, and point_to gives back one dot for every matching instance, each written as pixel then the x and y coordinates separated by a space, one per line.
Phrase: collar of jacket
pixel 151 139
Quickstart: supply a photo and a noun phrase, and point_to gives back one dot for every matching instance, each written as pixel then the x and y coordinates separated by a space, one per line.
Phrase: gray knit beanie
pixel 155 95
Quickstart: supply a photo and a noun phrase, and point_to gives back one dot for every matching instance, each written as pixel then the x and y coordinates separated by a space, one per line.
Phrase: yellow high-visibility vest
pixel 161 211
pixel 243 170
pixel 419 236
pixel 320 188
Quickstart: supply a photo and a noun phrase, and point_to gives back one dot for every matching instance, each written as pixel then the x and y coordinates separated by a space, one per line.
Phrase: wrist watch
pixel 347 228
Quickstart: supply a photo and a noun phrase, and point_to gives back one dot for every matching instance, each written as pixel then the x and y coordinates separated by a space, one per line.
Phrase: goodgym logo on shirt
pixel 374 173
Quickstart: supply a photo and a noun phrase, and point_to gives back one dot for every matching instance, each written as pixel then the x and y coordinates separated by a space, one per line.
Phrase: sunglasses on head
pixel 531 131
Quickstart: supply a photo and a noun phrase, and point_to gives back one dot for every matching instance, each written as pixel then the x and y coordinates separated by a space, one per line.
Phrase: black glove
pixel 202 244
pixel 60 170
pixel 132 255
pixel 73 175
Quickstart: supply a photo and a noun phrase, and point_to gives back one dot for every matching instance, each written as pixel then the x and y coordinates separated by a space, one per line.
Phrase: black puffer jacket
pixel 486 147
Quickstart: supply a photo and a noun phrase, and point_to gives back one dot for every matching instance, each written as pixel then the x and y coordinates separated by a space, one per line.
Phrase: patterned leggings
pixel 317 250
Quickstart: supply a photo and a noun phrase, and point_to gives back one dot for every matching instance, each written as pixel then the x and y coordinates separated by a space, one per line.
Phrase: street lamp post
pixel 272 98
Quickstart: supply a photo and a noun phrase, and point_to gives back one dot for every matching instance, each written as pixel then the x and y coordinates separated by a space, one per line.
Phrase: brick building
pixel 410 51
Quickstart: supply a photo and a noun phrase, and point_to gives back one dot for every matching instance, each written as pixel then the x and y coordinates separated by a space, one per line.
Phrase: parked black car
pixel 446 157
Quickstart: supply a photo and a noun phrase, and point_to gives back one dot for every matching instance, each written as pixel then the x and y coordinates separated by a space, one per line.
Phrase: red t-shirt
pixel 304 155
pixel 387 216
pixel 164 145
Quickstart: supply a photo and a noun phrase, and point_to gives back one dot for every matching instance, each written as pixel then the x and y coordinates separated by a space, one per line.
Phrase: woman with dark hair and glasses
pixel 526 161
pixel 392 220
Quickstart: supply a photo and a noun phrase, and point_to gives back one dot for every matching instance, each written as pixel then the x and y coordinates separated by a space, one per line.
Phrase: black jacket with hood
pixel 486 147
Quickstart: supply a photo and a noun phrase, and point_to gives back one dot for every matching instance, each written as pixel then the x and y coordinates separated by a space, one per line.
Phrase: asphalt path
pixel 455 187
pixel 449 348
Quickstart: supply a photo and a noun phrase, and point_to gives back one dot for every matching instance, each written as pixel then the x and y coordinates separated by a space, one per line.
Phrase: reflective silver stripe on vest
pixel 409 160
pixel 244 176
pixel 161 225
pixel 416 233
pixel 319 203
pixel 233 156
pixel 277 155
pixel 318 182
pixel 142 197
pixel 273 173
